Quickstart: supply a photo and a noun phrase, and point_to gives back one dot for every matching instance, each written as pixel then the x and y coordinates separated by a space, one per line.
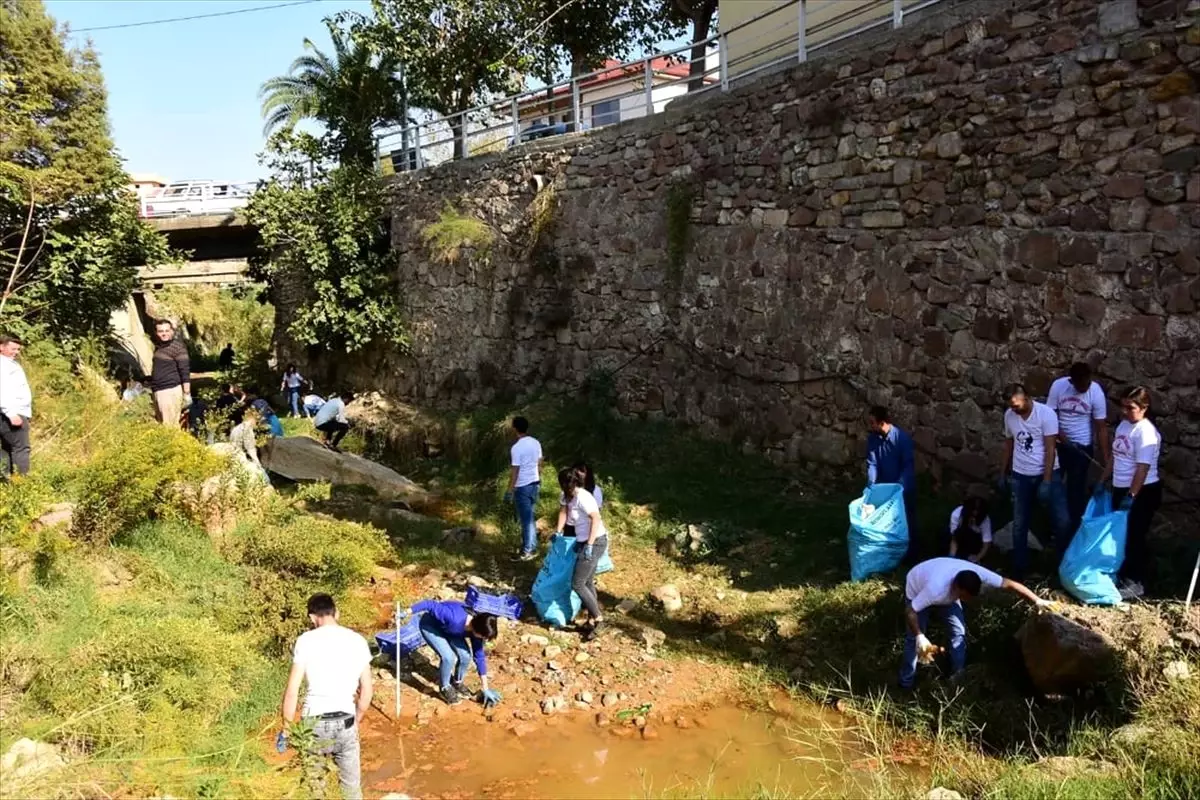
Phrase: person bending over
pixel 457 635
pixel 942 584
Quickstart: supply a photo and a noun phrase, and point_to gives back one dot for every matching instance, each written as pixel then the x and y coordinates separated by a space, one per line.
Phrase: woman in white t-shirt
pixel 1134 470
pixel 590 483
pixel 578 509
pixel 970 530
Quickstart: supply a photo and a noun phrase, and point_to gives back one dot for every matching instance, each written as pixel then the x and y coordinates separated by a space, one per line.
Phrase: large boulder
pixel 1062 655
pixel 26 760
pixel 300 458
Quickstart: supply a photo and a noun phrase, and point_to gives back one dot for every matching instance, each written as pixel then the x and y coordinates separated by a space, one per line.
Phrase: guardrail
pixel 790 33
pixel 206 201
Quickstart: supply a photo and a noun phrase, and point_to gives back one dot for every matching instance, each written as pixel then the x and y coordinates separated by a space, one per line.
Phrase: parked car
pixel 542 130
pixel 197 197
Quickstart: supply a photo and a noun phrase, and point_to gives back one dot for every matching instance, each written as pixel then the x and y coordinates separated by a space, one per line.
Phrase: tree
pixel 351 93
pixel 69 233
pixel 699 15
pixel 588 32
pixel 324 240
pixel 454 52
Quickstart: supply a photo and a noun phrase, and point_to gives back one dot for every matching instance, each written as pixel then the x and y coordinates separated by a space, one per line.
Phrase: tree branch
pixel 12 276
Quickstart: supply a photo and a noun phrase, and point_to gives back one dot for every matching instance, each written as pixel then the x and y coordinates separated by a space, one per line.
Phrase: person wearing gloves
pixel 943 583
pixel 524 484
pixel 579 512
pixel 457 635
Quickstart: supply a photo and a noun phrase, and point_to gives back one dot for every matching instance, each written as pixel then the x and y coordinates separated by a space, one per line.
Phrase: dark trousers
pixel 14 448
pixel 334 431
pixel 584 579
pixel 1076 462
pixel 1137 529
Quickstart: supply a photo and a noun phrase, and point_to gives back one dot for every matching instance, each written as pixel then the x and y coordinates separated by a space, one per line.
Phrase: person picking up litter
pixel 943 583
pixel 457 635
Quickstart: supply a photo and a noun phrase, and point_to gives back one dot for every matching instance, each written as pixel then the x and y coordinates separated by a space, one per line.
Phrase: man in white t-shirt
pixel 1032 471
pixel 524 481
pixel 335 662
pixel 1082 410
pixel 943 583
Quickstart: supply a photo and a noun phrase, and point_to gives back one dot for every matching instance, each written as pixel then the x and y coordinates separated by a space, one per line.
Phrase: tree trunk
pixel 700 27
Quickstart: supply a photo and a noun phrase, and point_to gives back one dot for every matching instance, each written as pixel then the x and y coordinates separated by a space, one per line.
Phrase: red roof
pixel 613 71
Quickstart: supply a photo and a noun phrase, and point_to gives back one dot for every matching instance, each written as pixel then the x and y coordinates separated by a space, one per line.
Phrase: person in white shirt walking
pixel 1082 411
pixel 16 409
pixel 943 583
pixel 336 663
pixel 524 483
pixel 1134 471
pixel 1031 471
pixel 290 385
pixel 331 419
pixel 579 512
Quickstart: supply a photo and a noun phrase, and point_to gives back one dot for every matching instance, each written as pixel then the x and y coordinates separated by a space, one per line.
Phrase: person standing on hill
pixel 890 459
pixel 171 375
pixel 1082 410
pixel 225 360
pixel 1134 470
pixel 291 385
pixel 524 482
pixel 336 664
pixel 16 409
pixel 1031 471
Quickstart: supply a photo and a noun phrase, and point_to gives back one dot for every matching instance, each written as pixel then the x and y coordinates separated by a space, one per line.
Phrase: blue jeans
pixel 525 499
pixel 953 617
pixel 454 656
pixel 293 396
pixel 1026 489
pixel 1076 462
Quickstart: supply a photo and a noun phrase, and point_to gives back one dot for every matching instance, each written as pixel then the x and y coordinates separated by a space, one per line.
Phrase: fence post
pixel 462 134
pixel 576 110
pixel 803 33
pixel 516 128
pixel 897 13
pixel 417 145
pixel 723 57
pixel 648 65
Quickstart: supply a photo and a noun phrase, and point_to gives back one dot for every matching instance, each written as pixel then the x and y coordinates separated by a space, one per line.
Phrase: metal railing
pixel 790 33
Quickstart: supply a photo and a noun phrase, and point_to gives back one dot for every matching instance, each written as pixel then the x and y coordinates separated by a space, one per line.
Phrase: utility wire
pixel 196 16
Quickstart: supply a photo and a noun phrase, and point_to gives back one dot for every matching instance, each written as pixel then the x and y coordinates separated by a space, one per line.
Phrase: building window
pixel 606 113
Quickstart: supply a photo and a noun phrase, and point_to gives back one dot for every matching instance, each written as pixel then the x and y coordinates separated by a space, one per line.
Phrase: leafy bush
pixel 453 231
pixel 138 478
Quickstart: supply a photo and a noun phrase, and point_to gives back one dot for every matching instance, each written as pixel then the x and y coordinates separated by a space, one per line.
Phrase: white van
pixel 197 197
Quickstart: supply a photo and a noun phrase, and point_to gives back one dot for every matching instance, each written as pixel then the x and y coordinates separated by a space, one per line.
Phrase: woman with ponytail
pixel 579 510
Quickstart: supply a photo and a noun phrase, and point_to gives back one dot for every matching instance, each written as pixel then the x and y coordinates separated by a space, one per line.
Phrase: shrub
pixel 139 478
pixel 453 231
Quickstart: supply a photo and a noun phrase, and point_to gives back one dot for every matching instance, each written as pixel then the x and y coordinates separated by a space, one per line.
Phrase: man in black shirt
pixel 170 376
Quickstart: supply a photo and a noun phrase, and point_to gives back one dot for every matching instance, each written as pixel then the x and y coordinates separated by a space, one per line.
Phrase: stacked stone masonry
pixel 989 196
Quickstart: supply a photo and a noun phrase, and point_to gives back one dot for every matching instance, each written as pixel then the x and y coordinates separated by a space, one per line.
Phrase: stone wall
pixel 1000 191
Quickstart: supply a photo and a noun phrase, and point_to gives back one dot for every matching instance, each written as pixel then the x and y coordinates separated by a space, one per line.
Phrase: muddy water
pixel 722 752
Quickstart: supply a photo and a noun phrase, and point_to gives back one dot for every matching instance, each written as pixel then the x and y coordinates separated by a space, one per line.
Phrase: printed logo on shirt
pixel 1025 439
pixel 1074 404
pixel 1122 446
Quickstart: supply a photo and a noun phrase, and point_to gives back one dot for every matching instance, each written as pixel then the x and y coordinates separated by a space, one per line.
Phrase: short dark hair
pixel 164 321
pixel 1014 390
pixel 485 626
pixel 878 413
pixel 520 425
pixel 11 337
pixel 321 605
pixel 968 581
pixel 1081 372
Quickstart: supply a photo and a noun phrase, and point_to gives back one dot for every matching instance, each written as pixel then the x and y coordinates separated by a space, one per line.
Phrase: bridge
pixel 219 246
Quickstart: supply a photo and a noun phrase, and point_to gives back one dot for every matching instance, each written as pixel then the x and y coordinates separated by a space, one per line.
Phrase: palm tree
pixel 351 94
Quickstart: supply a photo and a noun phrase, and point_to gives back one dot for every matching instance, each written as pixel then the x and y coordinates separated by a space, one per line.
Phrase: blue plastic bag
pixel 877 541
pixel 1089 567
pixel 556 602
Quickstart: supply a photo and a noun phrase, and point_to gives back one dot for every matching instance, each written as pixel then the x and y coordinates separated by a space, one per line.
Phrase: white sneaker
pixel 1131 590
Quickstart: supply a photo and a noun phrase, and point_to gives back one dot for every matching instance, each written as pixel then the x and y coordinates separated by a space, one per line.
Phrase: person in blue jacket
pixel 890 459
pixel 457 635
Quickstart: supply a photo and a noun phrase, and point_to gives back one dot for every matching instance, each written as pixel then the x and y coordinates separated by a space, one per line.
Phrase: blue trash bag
pixel 1089 567
pixel 411 638
pixel 552 595
pixel 879 541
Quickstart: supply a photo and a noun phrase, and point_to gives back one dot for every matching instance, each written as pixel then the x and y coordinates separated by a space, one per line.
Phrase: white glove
pixel 1049 605
pixel 923 643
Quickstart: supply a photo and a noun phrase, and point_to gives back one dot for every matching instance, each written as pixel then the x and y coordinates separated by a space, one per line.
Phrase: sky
pixel 183 96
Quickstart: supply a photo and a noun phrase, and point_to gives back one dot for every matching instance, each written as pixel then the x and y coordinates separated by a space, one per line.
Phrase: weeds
pixel 454 232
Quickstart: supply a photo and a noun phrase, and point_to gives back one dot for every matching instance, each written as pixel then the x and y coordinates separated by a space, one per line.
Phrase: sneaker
pixel 1132 590
pixel 527 557
pixel 592 632
pixel 450 695
pixel 461 688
